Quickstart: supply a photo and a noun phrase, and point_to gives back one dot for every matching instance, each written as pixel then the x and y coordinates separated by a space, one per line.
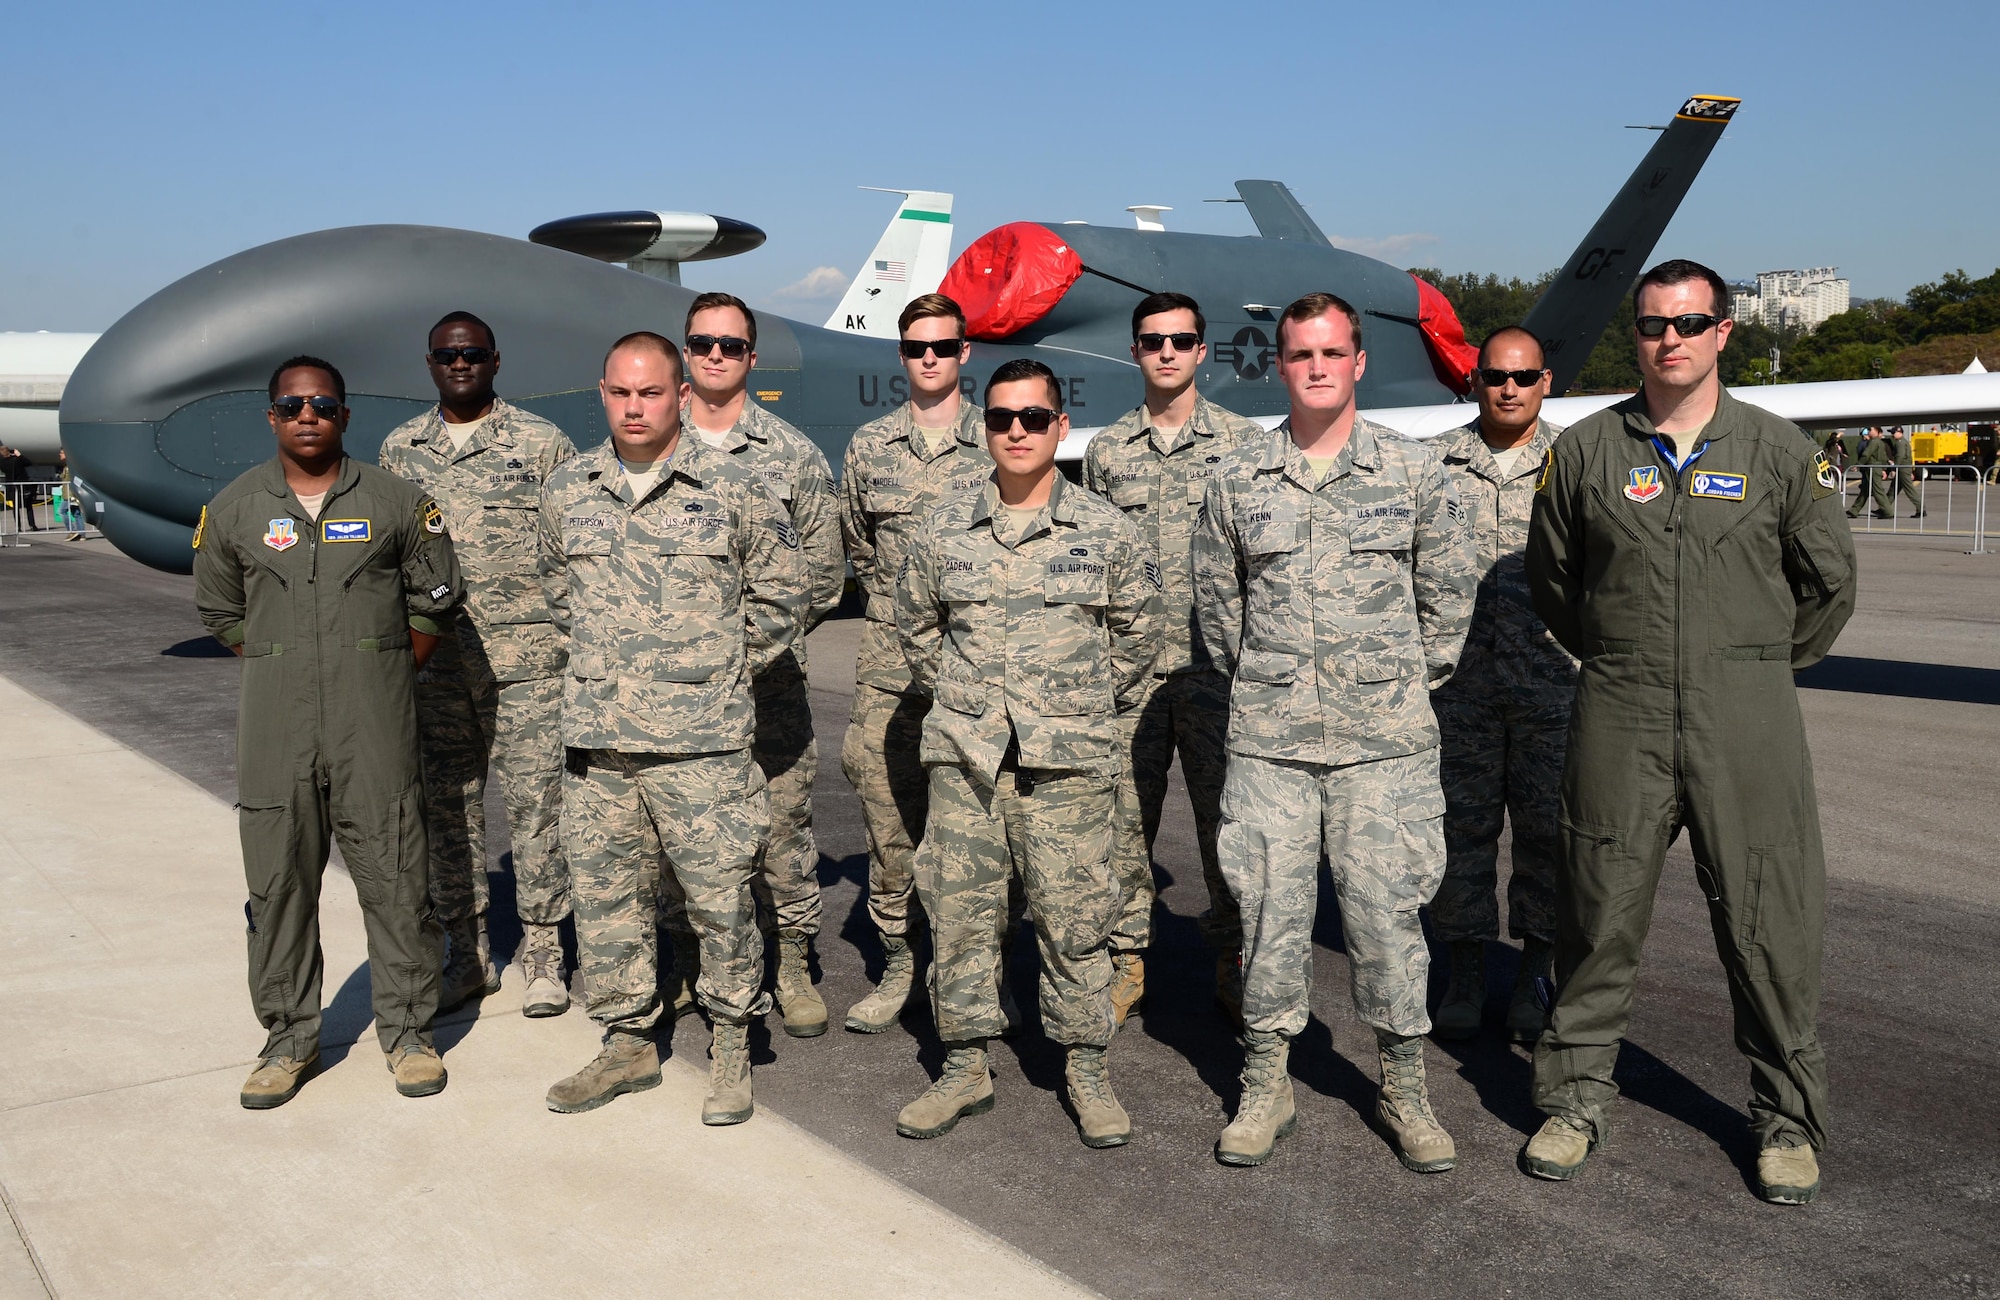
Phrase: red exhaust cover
pixel 1452 358
pixel 1012 276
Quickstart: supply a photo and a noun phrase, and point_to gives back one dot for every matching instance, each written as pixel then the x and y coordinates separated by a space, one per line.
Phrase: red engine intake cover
pixel 1452 358
pixel 1012 276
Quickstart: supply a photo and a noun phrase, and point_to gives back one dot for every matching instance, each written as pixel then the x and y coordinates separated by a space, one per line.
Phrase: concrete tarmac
pixel 1903 723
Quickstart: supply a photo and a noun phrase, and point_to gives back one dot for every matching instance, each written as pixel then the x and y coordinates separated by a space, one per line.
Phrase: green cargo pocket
pixel 1774 914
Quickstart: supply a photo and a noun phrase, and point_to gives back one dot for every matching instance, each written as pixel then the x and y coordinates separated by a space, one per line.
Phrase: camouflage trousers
pixel 1188 712
pixel 1502 760
pixel 629 819
pixel 1053 829
pixel 885 732
pixel 786 883
pixel 466 722
pixel 1378 825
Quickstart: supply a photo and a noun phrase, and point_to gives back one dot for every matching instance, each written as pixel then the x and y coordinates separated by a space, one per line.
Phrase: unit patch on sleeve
pixel 1548 470
pixel 433 517
pixel 1723 487
pixel 200 525
pixel 1826 478
pixel 345 530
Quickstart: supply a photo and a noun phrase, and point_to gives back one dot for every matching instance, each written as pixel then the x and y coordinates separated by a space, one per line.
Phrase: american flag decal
pixel 897 271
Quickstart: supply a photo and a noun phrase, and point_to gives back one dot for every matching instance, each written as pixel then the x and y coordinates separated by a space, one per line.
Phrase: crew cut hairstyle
pixel 465 318
pixel 1155 303
pixel 659 343
pixel 310 363
pixel 1506 332
pixel 930 306
pixel 1010 372
pixel 1313 306
pixel 705 301
pixel 1680 271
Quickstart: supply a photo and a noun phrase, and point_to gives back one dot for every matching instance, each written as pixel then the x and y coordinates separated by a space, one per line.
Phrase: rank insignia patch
pixel 1723 487
pixel 283 535
pixel 345 530
pixel 1643 483
pixel 1154 576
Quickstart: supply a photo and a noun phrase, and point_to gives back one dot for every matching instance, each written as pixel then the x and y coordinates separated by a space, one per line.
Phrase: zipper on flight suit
pixel 1680 621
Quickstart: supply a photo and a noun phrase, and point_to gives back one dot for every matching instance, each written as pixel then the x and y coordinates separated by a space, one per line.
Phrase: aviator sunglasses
pixel 914 349
pixel 1035 419
pixel 732 347
pixel 474 356
pixel 1497 378
pixel 1184 342
pixel 1692 325
pixel 289 408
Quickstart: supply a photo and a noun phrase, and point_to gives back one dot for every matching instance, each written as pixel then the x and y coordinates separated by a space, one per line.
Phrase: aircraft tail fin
pixel 1571 315
pixel 909 260
pixel 1278 214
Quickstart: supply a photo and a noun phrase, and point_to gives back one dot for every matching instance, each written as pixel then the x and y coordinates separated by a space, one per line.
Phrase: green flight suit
pixel 326 738
pixel 1691 597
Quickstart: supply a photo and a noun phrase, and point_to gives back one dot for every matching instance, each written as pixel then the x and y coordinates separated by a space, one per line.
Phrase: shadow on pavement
pixel 1950 682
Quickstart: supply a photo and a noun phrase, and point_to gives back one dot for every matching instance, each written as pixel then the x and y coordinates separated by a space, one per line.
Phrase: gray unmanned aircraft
pixel 168 406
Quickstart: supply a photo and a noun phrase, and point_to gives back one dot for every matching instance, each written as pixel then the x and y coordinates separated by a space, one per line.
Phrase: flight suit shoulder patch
pixel 427 510
pixel 1548 471
pixel 200 526
pixel 1826 478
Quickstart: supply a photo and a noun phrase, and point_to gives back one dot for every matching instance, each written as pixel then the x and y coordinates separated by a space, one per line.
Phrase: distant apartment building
pixel 1799 300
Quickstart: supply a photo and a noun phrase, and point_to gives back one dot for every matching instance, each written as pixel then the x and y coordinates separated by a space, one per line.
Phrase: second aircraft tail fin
pixel 908 261
pixel 1571 315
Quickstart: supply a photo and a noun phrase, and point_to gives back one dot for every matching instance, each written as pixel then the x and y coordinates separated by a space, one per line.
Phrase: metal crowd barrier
pixel 1951 497
pixel 39 505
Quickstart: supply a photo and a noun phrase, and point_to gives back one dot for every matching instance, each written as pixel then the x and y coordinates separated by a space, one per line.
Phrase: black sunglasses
pixel 1035 419
pixel 1184 342
pixel 289 408
pixel 701 345
pixel 1497 378
pixel 473 356
pixel 914 349
pixel 1692 325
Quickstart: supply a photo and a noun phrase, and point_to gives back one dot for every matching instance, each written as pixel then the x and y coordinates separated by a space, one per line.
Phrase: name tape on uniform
pixel 345 530
pixel 1723 487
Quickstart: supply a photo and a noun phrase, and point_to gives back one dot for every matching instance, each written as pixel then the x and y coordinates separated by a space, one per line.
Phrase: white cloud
pixel 1388 248
pixel 820 283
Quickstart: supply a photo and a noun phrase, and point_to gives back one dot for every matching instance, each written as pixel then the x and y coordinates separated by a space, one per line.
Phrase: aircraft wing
pixel 1842 404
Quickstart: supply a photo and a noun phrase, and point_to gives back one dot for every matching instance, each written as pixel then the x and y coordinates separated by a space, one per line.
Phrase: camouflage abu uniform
pixel 1338 604
pixel 796 472
pixel 1157 480
pixel 1504 714
pixel 672 604
pixel 890 479
pixel 493 691
pixel 1030 646
pixel 326 739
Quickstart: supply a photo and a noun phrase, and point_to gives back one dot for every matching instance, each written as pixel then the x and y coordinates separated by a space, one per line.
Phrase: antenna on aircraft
pixel 651 243
pixel 1148 215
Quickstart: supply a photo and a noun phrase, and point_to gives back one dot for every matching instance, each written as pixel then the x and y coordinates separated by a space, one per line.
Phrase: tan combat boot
pixel 728 1100
pixel 547 993
pixel 469 972
pixel 1404 1108
pixel 965 1087
pixel 1128 985
pixel 1525 1016
pixel 679 994
pixel 1558 1149
pixel 1265 1113
pixel 626 1063
pixel 275 1081
pixel 880 1009
pixel 800 1003
pixel 1787 1175
pixel 1229 986
pixel 1100 1120
pixel 1464 1004
pixel 418 1069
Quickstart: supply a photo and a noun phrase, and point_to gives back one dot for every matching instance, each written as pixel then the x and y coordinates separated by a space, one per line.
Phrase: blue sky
pixel 146 141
